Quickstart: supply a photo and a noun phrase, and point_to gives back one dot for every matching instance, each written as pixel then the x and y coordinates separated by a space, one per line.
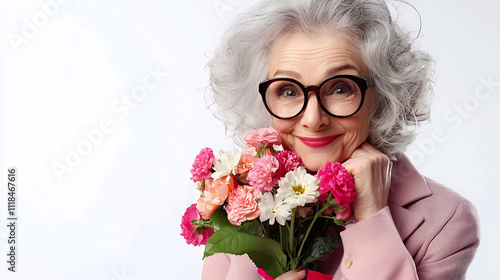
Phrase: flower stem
pixel 281 235
pixel 290 235
pixel 316 216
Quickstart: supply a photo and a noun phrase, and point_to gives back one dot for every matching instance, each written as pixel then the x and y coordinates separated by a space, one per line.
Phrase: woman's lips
pixel 317 142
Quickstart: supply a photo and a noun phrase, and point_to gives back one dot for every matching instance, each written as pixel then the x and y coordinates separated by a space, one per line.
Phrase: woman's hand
pixel 292 275
pixel 371 170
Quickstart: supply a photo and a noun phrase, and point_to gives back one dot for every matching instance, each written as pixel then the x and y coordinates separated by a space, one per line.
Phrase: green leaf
pixel 219 219
pixel 260 153
pixel 253 228
pixel 264 252
pixel 266 260
pixel 320 247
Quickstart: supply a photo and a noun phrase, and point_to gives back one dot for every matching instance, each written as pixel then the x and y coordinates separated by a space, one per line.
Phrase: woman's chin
pixel 314 161
pixel 314 166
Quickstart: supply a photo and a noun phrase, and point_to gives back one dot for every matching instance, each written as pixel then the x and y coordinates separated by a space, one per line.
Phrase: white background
pixel 114 212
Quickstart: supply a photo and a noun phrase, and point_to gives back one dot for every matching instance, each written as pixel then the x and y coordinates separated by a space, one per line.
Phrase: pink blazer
pixel 427 231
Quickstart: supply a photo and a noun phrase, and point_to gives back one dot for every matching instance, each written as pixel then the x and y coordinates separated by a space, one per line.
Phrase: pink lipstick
pixel 317 142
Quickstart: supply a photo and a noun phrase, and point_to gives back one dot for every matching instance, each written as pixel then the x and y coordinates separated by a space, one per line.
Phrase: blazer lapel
pixel 407 186
pixel 405 220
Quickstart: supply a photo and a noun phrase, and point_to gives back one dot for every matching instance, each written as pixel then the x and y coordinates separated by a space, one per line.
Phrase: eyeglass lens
pixel 339 96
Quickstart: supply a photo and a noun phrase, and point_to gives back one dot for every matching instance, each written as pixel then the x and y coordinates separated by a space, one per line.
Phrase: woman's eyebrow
pixel 287 73
pixel 333 71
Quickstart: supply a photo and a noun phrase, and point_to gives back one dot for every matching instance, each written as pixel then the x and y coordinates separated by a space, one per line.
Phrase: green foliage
pixel 264 252
pixel 264 248
pixel 320 247
pixel 219 219
pixel 253 228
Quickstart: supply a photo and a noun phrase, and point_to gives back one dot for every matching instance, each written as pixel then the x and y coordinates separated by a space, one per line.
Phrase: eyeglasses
pixel 339 96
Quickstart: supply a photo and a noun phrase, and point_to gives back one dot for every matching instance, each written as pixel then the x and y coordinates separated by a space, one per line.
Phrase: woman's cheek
pixel 288 142
pixel 351 143
pixel 285 129
pixel 357 130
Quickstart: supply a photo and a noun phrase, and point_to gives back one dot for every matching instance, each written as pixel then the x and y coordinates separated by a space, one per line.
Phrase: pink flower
pixel 335 179
pixel 193 234
pixel 329 211
pixel 248 157
pixel 263 137
pixel 288 161
pixel 243 205
pixel 263 173
pixel 202 165
pixel 344 214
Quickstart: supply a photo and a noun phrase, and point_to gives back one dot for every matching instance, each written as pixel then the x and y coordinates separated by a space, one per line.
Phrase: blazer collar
pixel 407 186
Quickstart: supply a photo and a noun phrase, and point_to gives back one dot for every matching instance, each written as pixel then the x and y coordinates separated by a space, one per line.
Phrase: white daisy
pixel 298 187
pixel 274 208
pixel 225 163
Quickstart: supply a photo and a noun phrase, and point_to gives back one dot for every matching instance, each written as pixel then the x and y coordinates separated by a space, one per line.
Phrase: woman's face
pixel 310 59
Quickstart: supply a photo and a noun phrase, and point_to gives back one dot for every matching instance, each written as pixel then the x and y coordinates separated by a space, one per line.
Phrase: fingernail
pixel 300 269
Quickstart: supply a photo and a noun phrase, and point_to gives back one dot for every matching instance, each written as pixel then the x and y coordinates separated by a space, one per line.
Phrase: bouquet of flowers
pixel 262 202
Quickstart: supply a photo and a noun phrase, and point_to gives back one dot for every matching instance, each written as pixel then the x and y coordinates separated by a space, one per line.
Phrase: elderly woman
pixel 342 82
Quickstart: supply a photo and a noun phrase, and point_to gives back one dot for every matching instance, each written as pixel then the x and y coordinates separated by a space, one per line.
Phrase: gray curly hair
pixel 402 75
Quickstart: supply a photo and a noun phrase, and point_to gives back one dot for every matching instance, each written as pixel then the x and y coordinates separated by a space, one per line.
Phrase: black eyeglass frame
pixel 362 83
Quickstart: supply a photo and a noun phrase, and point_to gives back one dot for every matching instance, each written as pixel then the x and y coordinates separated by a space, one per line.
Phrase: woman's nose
pixel 314 117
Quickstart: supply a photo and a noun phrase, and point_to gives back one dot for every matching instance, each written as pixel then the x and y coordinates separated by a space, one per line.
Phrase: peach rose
pixel 247 159
pixel 267 152
pixel 216 191
pixel 205 207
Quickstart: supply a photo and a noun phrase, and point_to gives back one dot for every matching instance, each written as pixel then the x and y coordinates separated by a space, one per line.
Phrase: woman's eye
pixel 341 89
pixel 288 92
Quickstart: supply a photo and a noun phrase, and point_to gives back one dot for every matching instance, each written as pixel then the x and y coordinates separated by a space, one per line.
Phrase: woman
pixel 341 82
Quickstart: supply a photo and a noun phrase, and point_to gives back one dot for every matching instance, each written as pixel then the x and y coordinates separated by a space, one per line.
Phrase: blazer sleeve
pixel 451 251
pixel 374 250
pixel 229 267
